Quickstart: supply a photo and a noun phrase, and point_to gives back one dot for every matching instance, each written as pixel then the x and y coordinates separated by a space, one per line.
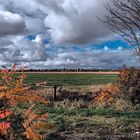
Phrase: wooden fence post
pixel 55 96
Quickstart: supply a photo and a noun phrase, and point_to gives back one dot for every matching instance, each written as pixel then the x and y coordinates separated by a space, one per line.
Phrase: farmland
pixel 86 105
pixel 71 78
pixel 75 113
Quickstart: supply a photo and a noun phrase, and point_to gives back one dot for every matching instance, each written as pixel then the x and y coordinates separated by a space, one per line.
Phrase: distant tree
pixel 124 18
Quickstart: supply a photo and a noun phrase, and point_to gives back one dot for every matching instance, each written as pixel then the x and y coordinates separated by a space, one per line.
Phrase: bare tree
pixel 124 18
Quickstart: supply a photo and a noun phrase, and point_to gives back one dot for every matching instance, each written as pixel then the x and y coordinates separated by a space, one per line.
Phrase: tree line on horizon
pixel 67 70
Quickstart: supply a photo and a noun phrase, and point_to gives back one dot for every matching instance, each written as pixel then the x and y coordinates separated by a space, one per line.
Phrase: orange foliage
pixel 16 93
pixel 5 113
pixel 113 88
pixel 4 126
pixel 123 73
pixel 106 95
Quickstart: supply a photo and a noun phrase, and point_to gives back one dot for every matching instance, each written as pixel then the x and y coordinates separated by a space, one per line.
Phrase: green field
pixel 75 116
pixel 70 79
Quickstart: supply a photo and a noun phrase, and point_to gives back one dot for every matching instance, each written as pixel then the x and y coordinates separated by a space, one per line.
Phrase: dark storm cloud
pixel 11 24
pixel 5 42
pixel 76 22
pixel 29 11
pixel 69 21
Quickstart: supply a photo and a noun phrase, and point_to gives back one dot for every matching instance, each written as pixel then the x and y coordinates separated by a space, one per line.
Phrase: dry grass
pixel 76 97
pixel 49 90
pixel 78 116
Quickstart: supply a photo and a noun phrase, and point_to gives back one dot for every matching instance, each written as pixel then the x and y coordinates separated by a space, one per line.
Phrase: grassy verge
pixel 102 122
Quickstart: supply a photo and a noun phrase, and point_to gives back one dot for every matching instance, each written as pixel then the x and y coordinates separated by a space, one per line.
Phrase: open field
pixel 76 113
pixel 63 79
pixel 100 72
pixel 76 116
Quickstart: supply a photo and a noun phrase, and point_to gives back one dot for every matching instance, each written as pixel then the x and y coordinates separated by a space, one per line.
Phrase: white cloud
pixel 11 24
pixel 76 22
pixel 96 58
pixel 106 48
pixel 34 25
pixel 120 48
pixel 23 50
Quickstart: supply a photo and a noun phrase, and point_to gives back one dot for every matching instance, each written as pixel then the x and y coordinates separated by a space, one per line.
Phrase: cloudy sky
pixel 58 34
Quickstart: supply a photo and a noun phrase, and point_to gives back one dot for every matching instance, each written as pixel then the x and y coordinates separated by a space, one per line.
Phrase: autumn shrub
pixel 125 93
pixel 107 96
pixel 20 114
pixel 129 84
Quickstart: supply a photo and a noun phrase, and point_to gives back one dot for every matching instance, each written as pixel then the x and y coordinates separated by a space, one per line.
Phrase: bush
pixel 20 115
pixel 107 96
pixel 129 83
